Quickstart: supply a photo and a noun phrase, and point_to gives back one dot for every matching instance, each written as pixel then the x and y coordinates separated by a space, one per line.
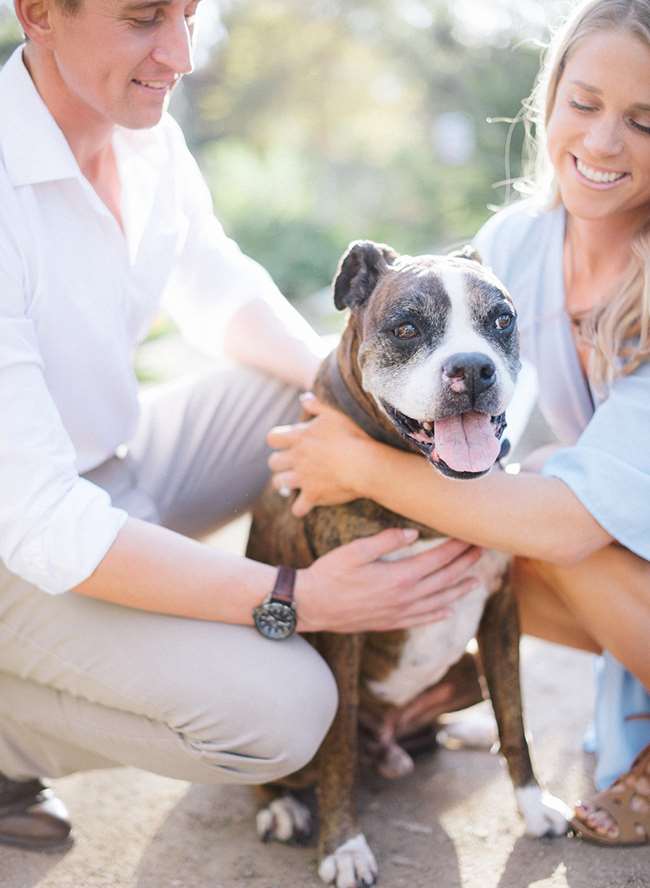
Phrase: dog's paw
pixel 284 820
pixel 352 865
pixel 478 731
pixel 543 813
pixel 394 762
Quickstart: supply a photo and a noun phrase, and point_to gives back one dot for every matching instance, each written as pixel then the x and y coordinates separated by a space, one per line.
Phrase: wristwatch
pixel 275 617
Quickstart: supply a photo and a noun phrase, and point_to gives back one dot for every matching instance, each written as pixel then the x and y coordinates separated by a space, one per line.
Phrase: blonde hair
pixel 619 328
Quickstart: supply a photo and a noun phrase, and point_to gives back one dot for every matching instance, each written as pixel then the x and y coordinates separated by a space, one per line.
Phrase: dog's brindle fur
pixel 277 537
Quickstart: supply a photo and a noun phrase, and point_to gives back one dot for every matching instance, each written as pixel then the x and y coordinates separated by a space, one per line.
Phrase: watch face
pixel 275 620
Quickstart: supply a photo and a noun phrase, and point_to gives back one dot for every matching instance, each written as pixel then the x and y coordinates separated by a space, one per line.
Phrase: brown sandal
pixel 616 801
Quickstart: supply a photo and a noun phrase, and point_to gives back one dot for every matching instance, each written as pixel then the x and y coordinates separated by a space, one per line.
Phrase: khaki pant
pixel 86 684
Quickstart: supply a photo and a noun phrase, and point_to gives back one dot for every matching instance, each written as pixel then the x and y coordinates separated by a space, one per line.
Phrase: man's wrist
pixel 275 618
pixel 304 601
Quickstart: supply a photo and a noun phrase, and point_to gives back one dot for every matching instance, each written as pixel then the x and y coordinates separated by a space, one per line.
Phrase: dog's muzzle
pixel 465 445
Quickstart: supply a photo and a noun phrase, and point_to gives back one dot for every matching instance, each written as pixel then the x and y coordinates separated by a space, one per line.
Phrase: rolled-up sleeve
pixel 212 278
pixel 608 469
pixel 55 527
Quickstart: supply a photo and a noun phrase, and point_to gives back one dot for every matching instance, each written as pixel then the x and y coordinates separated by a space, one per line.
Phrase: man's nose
pixel 175 47
pixel 604 138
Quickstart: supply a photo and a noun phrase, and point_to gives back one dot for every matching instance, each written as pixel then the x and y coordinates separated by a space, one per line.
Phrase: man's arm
pixel 348 590
pixel 275 338
pixel 223 300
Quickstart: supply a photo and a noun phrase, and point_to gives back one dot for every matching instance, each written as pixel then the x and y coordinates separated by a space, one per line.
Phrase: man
pixel 123 640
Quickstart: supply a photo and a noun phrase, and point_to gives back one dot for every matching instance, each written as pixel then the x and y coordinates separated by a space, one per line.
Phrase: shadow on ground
pixel 451 824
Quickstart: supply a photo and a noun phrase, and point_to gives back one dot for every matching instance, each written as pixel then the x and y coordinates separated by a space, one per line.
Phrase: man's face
pixel 120 59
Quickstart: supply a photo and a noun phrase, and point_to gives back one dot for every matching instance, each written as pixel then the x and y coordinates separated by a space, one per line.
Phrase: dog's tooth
pixel 427 426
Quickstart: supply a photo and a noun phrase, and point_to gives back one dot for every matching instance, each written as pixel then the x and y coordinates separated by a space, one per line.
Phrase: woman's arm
pixel 332 461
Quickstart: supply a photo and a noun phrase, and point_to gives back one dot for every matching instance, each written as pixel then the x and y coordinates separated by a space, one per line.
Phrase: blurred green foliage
pixel 10 33
pixel 313 122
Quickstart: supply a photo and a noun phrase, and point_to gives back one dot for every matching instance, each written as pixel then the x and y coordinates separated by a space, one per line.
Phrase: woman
pixel 577 262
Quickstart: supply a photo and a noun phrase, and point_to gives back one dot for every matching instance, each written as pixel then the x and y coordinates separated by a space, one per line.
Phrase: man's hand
pixel 351 589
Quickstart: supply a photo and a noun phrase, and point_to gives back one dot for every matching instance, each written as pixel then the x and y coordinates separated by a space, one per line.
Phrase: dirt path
pixel 452 824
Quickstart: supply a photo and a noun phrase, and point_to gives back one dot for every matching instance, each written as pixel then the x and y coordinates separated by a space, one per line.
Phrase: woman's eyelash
pixel 640 127
pixel 578 106
pixel 637 126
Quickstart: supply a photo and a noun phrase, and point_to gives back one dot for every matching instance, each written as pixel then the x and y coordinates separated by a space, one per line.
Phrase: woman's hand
pixel 322 457
pixel 356 589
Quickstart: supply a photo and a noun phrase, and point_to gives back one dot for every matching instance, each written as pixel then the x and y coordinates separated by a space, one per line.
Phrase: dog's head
pixel 438 349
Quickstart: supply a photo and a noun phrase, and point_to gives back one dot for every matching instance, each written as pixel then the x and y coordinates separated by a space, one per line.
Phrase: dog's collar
pixel 349 405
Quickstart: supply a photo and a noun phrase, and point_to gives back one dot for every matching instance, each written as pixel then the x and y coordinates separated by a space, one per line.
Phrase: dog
pixel 427 363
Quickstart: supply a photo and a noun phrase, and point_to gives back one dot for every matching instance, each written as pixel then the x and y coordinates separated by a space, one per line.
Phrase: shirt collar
pixel 35 150
pixel 33 146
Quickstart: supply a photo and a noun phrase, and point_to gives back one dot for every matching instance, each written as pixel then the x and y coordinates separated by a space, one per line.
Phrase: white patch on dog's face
pixel 464 335
pixel 416 388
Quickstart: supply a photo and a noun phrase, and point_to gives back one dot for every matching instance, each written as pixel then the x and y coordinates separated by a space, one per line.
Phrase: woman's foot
pixel 620 815
pixel 31 816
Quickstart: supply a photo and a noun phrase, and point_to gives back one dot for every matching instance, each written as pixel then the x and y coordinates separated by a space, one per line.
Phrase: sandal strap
pixel 641 763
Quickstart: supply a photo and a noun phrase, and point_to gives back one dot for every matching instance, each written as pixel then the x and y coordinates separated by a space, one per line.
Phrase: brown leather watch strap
pixel 284 583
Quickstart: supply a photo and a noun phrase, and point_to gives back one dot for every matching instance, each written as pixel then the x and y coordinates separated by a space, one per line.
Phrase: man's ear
pixel 468 251
pixel 359 271
pixel 34 18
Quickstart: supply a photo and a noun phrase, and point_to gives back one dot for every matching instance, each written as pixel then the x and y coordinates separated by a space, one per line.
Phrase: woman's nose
pixel 604 137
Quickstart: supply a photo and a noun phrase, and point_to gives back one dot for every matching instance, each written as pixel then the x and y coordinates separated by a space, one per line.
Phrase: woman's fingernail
pixel 307 396
pixel 410 534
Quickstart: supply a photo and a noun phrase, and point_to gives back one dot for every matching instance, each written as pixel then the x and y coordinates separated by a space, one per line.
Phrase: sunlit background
pixel 317 122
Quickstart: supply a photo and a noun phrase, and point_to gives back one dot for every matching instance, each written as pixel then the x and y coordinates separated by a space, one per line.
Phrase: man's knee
pixel 263 723
pixel 303 719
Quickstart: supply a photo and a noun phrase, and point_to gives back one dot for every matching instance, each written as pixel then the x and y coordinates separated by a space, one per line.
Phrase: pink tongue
pixel 467 443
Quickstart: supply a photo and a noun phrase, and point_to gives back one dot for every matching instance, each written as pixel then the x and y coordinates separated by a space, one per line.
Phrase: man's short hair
pixel 69 6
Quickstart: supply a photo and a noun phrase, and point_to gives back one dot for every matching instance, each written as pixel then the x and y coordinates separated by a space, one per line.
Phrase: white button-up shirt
pixel 77 294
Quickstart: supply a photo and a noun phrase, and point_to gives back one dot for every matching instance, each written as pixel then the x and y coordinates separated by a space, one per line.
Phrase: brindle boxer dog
pixel 427 363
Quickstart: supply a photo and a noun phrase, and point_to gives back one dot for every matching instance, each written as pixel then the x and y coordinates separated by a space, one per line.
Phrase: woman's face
pixel 599 130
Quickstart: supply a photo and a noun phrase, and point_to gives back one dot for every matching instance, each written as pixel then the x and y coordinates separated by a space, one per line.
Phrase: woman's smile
pixel 596 177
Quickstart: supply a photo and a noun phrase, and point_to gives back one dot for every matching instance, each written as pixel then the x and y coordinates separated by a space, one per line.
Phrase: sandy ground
pixel 452 824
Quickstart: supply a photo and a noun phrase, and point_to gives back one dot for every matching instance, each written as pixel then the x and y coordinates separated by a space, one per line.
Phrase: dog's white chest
pixel 430 650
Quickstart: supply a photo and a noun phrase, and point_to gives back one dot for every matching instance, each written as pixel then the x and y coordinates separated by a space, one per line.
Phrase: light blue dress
pixel 605 437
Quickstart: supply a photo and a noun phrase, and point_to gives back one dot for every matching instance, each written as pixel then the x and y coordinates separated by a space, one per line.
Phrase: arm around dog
pixel 348 590
pixel 527 515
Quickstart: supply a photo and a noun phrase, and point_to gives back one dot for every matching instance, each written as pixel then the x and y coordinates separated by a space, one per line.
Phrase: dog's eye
pixel 503 321
pixel 405 331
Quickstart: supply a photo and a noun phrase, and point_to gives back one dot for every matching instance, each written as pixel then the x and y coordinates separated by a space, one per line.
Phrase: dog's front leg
pixel 345 858
pixel 498 639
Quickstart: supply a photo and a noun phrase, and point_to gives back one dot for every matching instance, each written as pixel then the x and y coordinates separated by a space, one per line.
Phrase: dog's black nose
pixel 475 370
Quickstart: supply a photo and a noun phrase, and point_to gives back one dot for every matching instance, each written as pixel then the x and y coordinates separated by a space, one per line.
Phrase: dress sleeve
pixel 608 468
pixel 55 527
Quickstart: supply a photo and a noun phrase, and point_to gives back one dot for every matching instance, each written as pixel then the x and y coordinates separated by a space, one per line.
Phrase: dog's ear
pixel 467 252
pixel 359 271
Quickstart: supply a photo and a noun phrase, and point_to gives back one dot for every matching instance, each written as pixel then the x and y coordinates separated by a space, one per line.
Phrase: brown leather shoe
pixel 31 816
